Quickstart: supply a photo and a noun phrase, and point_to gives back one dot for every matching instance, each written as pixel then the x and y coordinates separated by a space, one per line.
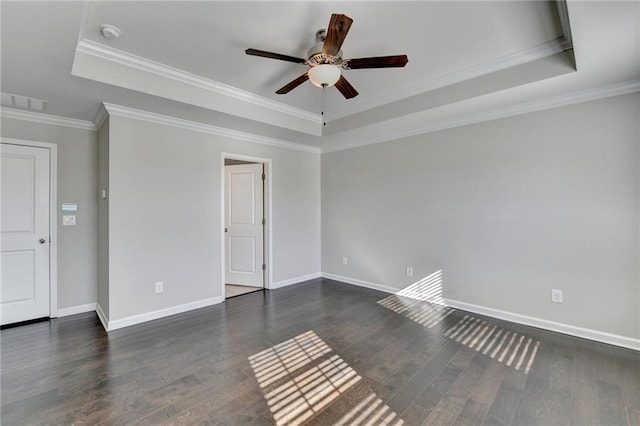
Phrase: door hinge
pixel 263 176
pixel 264 267
pixel 264 222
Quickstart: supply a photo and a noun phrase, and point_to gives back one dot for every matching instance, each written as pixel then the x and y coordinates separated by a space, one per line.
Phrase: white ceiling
pixel 209 39
pixel 186 59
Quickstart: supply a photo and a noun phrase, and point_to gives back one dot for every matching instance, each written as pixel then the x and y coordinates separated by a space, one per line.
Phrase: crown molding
pixel 124 58
pixel 100 117
pixel 528 107
pixel 563 17
pixel 497 113
pixel 508 61
pixel 107 109
pixel 151 117
pixel 55 120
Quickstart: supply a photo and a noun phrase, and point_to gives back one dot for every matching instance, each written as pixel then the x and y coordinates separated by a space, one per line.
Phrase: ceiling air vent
pixel 23 102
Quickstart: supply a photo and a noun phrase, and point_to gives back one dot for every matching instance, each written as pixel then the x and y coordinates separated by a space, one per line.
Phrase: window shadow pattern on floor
pixel 423 303
pixel 424 313
pixel 505 346
pixel 302 376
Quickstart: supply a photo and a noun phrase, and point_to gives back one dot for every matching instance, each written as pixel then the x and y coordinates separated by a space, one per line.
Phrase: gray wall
pixel 103 219
pixel 164 214
pixel 77 245
pixel 507 209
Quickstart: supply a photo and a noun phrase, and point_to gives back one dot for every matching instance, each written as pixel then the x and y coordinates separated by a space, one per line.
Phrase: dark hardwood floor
pixel 320 353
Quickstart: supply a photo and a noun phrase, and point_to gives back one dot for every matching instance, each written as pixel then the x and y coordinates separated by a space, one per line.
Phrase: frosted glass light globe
pixel 324 75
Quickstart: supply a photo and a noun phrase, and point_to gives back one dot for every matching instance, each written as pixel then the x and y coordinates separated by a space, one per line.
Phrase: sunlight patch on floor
pixel 310 392
pixel 510 348
pixel 302 376
pixel 424 313
pixel 428 289
pixel 421 302
pixel 370 411
pixel 283 359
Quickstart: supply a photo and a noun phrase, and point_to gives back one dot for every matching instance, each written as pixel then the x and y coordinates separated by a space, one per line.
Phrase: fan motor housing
pixel 316 56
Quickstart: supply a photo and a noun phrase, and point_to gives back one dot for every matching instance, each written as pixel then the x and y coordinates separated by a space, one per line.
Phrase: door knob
pixel 225 229
pixel 42 241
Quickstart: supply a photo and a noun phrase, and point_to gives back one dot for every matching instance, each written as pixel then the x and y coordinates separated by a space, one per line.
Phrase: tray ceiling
pixel 186 59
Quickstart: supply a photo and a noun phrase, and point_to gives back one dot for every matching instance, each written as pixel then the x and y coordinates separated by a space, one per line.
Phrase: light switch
pixel 69 220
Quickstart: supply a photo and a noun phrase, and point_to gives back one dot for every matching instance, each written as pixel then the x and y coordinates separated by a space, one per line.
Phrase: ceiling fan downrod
pixel 324 87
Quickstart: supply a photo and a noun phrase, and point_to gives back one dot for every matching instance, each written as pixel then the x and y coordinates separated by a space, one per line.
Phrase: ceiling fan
pixel 325 59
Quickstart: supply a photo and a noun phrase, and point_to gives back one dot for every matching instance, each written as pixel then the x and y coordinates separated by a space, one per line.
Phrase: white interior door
pixel 244 235
pixel 24 233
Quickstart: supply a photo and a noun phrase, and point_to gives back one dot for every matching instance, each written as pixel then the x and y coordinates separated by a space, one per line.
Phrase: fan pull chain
pixel 324 86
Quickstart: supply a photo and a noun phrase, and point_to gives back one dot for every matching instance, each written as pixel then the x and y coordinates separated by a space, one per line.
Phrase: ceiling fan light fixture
pixel 324 75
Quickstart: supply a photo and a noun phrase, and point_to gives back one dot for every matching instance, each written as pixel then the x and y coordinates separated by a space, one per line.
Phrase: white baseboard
pixel 361 283
pixel 149 316
pixel 598 336
pixel 79 309
pixel 296 280
pixel 104 319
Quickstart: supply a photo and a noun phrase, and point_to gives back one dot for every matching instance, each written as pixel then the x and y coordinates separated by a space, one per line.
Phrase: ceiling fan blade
pixel 378 62
pixel 336 33
pixel 292 85
pixel 347 90
pixel 265 54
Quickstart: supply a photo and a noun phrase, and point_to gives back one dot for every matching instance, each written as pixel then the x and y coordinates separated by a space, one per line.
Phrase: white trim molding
pixel 125 58
pixel 100 117
pixel 360 283
pixel 153 315
pixel 296 280
pixel 38 117
pixel 78 309
pixel 495 114
pixel 166 120
pixel 598 336
pixel 426 85
pixel 104 319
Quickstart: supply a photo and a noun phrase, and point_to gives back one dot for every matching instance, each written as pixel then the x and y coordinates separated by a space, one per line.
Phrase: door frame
pixel 53 215
pixel 268 245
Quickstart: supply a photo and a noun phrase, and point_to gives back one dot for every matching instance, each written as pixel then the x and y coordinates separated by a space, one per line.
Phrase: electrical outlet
pixel 159 286
pixel 345 261
pixel 556 296
pixel 409 271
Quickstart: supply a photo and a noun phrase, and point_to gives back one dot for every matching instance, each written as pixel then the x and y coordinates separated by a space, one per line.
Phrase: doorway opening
pixel 245 225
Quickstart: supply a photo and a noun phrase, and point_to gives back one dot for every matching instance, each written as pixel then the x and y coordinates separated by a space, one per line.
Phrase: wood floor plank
pixel 467 381
pixel 611 405
pixel 482 395
pixel 378 366
pixel 539 406
pixel 505 404
pixel 628 369
pixel 444 413
pixel 584 410
pixel 415 414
